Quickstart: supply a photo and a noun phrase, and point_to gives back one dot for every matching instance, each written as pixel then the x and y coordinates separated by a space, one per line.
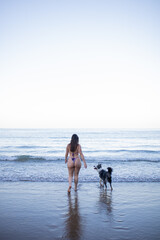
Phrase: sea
pixel 38 155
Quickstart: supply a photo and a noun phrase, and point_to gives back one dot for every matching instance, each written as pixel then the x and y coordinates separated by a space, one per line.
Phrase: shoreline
pixel 44 210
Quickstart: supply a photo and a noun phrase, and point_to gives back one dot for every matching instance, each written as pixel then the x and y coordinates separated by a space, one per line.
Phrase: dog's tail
pixel 110 170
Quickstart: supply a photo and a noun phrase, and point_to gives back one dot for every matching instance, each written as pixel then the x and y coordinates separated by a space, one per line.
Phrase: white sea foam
pixel 38 154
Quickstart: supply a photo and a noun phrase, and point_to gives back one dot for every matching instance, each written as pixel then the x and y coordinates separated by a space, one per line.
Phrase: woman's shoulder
pixel 79 146
pixel 68 146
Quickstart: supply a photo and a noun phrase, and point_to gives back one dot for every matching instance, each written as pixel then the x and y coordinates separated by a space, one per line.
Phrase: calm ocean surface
pixel 37 155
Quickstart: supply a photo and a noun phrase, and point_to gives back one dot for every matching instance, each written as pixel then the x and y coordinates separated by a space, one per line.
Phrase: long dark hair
pixel 74 142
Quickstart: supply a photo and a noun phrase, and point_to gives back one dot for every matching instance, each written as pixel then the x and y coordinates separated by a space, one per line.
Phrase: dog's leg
pixel 110 182
pixel 100 182
pixel 111 186
pixel 105 183
pixel 101 185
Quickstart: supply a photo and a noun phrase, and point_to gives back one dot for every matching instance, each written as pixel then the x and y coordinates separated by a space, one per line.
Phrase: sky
pixel 79 64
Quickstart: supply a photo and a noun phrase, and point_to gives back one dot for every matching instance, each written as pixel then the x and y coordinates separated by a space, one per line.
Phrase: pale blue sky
pixel 80 63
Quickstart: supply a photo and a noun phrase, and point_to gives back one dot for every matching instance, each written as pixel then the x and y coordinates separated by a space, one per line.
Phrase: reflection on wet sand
pixel 73 219
pixel 105 200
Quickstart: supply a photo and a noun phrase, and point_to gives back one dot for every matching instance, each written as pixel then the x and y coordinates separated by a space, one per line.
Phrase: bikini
pixel 73 159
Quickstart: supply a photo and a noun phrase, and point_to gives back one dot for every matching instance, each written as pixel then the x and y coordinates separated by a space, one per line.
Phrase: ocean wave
pixel 24 146
pixel 94 159
pixel 81 179
pixel 34 147
pixel 124 151
pixel 25 158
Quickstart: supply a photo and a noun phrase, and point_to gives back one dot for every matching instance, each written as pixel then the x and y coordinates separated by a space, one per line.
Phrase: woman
pixel 74 162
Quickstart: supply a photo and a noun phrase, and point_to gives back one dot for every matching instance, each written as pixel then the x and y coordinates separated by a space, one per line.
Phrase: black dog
pixel 105 176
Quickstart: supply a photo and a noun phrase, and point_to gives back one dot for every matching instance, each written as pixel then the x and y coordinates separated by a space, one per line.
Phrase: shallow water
pixel 37 155
pixel 45 211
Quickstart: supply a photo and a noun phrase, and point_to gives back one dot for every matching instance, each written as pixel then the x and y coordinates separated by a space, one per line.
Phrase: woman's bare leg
pixel 70 172
pixel 76 173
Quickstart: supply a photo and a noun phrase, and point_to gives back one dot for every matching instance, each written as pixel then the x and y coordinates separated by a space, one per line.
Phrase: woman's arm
pixel 66 155
pixel 82 156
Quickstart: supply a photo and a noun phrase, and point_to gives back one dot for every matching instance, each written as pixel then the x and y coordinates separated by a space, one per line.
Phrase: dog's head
pixel 99 166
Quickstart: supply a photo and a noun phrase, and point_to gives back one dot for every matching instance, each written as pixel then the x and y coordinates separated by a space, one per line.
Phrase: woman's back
pixel 76 152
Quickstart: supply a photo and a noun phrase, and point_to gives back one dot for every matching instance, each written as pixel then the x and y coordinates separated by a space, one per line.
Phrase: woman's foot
pixel 69 189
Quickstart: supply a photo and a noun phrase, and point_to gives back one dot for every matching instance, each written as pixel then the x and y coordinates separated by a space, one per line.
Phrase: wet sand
pixel 39 210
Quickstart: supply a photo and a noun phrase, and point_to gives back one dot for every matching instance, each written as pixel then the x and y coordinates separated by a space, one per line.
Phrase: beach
pixel 34 203
pixel 44 210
